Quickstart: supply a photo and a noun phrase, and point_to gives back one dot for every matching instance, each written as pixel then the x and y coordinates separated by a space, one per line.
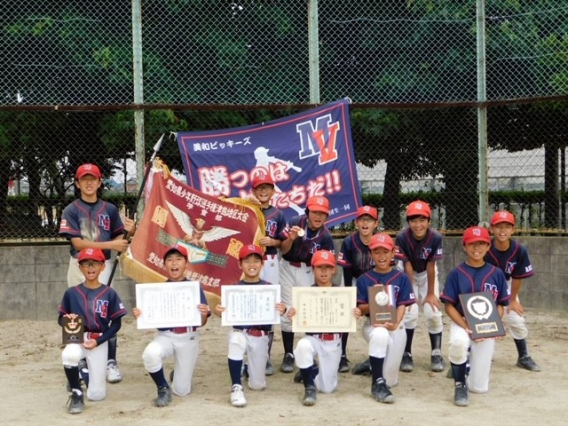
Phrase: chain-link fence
pixel 414 70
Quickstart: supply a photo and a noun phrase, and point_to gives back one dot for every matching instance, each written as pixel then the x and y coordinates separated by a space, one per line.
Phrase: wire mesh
pixel 410 68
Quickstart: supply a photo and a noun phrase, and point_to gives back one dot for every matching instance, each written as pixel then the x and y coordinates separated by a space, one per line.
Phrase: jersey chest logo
pixel 426 252
pixel 102 308
pixel 510 267
pixel 104 222
pixel 491 288
pixel 315 247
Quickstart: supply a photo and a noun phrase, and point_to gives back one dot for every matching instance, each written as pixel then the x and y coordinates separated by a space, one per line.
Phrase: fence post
pixel 313 40
pixel 482 114
pixel 138 81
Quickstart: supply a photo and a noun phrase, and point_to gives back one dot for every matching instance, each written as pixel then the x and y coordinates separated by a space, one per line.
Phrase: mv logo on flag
pixel 320 139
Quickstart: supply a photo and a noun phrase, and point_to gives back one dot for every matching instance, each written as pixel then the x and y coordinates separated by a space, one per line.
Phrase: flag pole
pixel 156 149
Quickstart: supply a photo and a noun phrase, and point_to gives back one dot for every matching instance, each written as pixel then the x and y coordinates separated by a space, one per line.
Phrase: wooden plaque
pixel 73 330
pixel 382 306
pixel 481 315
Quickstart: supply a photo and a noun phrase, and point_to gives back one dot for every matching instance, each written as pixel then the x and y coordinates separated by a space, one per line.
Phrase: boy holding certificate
pixel 181 342
pixel 387 339
pixel 327 346
pixel 250 339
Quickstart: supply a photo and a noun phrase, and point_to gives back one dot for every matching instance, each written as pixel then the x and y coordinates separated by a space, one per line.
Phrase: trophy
pixel 73 329
pixel 481 315
pixel 382 308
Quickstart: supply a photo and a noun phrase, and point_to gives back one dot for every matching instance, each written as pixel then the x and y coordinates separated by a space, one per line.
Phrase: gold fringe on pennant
pixel 138 272
pixel 160 166
pixel 246 202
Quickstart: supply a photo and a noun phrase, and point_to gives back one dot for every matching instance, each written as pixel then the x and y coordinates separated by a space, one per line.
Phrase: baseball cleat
pixel 527 363
pixel 84 372
pixel 381 392
pixel 309 396
pixel 450 373
pixel 460 395
pixel 437 363
pixel 298 377
pixel 344 365
pixel 287 363
pixel 164 396
pixel 407 365
pixel 269 370
pixel 238 396
pixel 76 403
pixel 362 369
pixel 113 373
pixel 245 371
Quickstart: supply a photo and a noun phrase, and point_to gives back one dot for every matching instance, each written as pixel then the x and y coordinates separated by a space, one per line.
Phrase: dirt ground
pixel 33 385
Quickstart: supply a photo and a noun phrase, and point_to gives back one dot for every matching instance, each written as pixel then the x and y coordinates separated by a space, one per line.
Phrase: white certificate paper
pixel 324 309
pixel 169 304
pixel 253 304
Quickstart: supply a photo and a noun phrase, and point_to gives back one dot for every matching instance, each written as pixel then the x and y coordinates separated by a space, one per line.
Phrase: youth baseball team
pixel 299 253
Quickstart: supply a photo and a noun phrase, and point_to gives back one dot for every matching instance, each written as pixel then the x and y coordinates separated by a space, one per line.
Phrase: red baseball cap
pixel 91 254
pixel 249 249
pixel 418 208
pixel 88 169
pixel 381 240
pixel 318 204
pixel 262 179
pixel 177 248
pixel 475 234
pixel 323 257
pixel 502 217
pixel 369 211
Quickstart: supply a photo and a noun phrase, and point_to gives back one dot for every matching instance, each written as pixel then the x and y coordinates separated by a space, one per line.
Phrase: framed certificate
pixel 324 309
pixel 169 304
pixel 481 315
pixel 253 304
pixel 382 306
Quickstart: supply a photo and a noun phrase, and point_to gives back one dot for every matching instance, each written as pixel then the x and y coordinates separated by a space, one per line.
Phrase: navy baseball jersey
pixel 264 327
pixel 403 294
pixel 203 301
pixel 98 306
pixel 418 253
pixel 303 248
pixel 97 222
pixel 275 227
pixel 467 279
pixel 514 262
pixel 355 255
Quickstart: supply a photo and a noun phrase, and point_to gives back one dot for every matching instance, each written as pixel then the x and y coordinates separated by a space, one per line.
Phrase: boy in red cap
pixel 386 341
pixel 90 222
pixel 252 340
pixel 355 259
pixel 472 276
pixel 275 225
pixel 513 259
pixel 102 311
pixel 306 234
pixel 181 342
pixel 418 248
pixel 327 346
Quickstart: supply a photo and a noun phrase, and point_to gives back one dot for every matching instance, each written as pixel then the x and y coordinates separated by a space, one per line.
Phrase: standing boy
pixel 263 190
pixel 306 235
pixel 181 342
pixel 472 276
pixel 327 346
pixel 355 259
pixel 102 311
pixel 90 222
pixel 512 258
pixel 252 340
pixel 418 248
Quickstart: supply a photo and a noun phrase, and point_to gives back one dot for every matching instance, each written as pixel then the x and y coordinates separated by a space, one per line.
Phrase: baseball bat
pixel 156 149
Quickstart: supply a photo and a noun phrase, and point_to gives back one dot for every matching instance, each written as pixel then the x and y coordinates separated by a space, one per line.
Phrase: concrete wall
pixel 33 278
